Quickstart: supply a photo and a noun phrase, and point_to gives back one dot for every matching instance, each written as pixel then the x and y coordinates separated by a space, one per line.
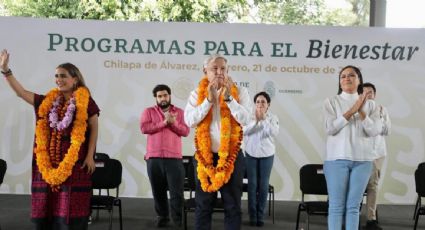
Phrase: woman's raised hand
pixel 4 60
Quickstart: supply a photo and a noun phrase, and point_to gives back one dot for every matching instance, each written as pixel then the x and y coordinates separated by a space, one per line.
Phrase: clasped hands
pixel 260 114
pixel 217 88
pixel 170 118
pixel 358 106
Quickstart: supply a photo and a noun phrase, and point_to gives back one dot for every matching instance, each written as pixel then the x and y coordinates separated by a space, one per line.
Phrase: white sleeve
pixel 193 113
pixel 251 127
pixel 334 122
pixel 372 124
pixel 240 111
pixel 271 126
pixel 386 121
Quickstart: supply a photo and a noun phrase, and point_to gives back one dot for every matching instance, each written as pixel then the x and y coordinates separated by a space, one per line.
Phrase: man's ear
pixel 204 70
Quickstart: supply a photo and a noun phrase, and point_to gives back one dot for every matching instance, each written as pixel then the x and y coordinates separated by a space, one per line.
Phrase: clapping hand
pixel 357 107
pixel 170 118
pixel 227 86
pixel 260 114
pixel 359 104
pixel 361 101
pixel 212 90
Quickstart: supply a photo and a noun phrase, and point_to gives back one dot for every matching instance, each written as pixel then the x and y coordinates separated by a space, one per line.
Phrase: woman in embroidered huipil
pixel 350 122
pixel 65 140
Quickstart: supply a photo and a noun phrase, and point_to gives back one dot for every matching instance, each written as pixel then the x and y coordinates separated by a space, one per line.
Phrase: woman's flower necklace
pixel 54 114
pixel 56 176
pixel 56 135
pixel 213 178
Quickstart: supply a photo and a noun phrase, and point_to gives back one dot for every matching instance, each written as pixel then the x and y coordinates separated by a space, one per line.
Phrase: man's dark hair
pixel 161 88
pixel 368 84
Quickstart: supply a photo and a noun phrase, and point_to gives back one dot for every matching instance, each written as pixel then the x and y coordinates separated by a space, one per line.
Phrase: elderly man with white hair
pixel 218 109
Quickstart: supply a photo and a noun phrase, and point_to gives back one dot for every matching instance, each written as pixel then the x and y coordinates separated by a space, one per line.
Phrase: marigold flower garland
pixel 213 178
pixel 56 176
pixel 58 111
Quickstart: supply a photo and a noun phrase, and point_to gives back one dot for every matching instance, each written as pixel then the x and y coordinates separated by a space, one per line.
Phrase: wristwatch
pixel 228 99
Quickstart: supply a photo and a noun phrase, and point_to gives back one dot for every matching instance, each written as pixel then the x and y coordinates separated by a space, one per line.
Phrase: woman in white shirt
pixel 350 122
pixel 259 152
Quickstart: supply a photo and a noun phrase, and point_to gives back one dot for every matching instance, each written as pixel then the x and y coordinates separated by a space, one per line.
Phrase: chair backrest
pixel 189 173
pixel 312 180
pixel 108 174
pixel 3 167
pixel 420 179
pixel 101 156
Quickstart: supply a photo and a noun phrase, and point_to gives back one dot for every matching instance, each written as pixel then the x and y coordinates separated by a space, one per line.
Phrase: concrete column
pixel 378 10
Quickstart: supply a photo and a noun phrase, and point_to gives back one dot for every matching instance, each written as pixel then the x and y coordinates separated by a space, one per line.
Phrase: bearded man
pixel 164 126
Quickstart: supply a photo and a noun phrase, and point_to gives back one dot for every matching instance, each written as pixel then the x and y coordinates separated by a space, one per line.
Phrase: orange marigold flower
pixel 213 178
pixel 56 176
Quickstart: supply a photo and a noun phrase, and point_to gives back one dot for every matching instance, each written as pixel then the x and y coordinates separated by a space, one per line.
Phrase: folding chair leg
pixel 110 218
pixel 308 222
pixel 298 217
pixel 273 207
pixel 360 219
pixel 416 219
pixel 120 212
pixel 416 206
pixel 184 219
pixel 270 202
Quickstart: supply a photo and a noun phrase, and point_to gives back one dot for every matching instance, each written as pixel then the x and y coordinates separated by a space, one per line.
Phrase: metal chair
pixel 108 175
pixel 101 156
pixel 312 182
pixel 420 190
pixel 189 186
pixel 3 167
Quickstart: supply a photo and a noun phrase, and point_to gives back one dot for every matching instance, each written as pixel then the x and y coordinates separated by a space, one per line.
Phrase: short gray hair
pixel 212 58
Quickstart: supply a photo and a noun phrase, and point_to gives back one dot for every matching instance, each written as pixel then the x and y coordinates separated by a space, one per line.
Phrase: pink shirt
pixel 163 141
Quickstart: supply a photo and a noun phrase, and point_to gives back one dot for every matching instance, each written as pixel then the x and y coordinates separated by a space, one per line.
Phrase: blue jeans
pixel 346 182
pixel 258 172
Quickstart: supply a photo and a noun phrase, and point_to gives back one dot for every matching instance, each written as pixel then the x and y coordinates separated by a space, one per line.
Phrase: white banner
pixel 298 65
